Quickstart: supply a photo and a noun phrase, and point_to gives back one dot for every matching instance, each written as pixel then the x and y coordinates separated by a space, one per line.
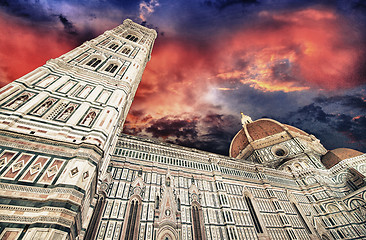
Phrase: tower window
pixel 113 46
pixel 111 68
pixel 94 62
pixel 132 38
pixel 126 50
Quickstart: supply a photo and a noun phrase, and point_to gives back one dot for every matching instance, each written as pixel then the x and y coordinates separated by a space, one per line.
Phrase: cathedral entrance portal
pixel 167 233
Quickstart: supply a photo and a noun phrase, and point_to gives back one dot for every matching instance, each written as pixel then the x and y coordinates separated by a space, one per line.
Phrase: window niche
pixel 197 222
pixel 90 117
pixel 132 38
pixel 113 46
pixel 132 219
pixel 85 91
pixel 44 107
pixel 126 50
pixel 19 100
pixel 111 68
pixel 45 82
pixel 94 62
pixel 67 86
pixel 67 112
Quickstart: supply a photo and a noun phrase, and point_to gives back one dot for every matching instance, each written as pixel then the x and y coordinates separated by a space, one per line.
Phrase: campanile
pixel 58 126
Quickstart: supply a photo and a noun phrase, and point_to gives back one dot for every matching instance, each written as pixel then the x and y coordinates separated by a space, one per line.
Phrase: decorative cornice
pixel 31 142
pixel 41 190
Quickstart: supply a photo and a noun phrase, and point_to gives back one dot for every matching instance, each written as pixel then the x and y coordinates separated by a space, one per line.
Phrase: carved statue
pixel 89 118
pixel 43 108
pixel 17 102
pixel 66 114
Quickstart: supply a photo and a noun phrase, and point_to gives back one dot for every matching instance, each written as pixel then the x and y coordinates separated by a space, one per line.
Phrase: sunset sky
pixel 302 63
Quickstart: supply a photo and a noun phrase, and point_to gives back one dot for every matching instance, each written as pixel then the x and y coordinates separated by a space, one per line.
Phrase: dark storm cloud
pixel 81 18
pixel 214 133
pixel 333 129
pixel 313 113
pixel 69 27
pixel 355 101
pixel 352 127
pixel 167 126
pixel 220 131
pixel 222 4
pixel 211 132
pixel 256 103
pixel 31 10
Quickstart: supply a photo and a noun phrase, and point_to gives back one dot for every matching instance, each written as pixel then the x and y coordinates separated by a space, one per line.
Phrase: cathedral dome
pixel 335 156
pixel 260 130
pixel 263 128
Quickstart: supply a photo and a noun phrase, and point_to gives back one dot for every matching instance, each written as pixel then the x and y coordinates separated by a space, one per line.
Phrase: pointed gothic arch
pixel 167 233
pixel 132 218
pixel 198 226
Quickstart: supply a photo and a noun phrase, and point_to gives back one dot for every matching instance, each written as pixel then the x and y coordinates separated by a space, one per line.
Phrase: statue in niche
pixel 18 101
pixel 66 114
pixel 167 182
pixel 89 118
pixel 43 108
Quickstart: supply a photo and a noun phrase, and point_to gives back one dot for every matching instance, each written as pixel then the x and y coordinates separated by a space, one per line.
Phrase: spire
pixel 245 119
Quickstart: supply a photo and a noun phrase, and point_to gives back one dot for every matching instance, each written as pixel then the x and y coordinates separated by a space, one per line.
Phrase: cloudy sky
pixel 300 62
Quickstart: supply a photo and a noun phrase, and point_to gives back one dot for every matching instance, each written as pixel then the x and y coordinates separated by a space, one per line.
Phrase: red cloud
pixel 289 51
pixel 292 51
pixel 23 48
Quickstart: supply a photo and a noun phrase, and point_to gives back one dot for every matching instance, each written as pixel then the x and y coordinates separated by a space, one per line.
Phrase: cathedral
pixel 68 173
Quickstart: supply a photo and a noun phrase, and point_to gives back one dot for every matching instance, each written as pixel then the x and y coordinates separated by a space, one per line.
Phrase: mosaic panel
pixel 35 169
pixel 52 171
pixel 17 166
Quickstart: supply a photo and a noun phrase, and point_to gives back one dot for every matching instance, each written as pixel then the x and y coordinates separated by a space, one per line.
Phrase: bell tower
pixel 59 124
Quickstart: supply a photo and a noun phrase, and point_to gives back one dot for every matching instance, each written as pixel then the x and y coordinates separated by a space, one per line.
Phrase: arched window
pixel 196 223
pixel 253 214
pixel 113 46
pixel 132 38
pixel 111 68
pixel 132 220
pixel 126 50
pixel 94 62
